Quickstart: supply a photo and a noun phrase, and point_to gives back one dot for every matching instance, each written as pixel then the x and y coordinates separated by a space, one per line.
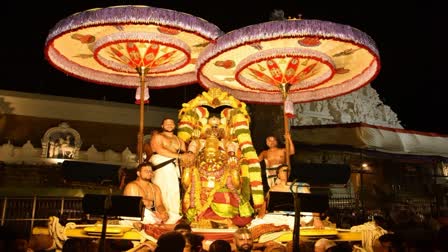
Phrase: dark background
pixel 409 36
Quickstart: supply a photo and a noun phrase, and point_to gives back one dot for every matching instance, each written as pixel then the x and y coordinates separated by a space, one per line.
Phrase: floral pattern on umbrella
pixel 106 45
pixel 319 59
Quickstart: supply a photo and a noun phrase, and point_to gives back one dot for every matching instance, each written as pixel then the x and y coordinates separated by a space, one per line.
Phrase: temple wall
pixel 106 125
pixel 102 135
pixel 66 108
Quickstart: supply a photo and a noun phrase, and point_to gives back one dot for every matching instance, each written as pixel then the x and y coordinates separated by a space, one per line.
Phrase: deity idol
pixel 213 186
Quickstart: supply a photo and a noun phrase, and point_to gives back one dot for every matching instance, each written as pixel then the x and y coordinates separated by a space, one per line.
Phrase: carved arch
pixel 61 131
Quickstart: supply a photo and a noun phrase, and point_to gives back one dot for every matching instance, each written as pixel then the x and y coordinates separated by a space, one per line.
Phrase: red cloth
pixel 156 230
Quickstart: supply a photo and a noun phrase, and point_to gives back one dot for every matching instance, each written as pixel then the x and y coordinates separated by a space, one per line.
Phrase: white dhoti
pixel 167 178
pixel 149 217
pixel 271 174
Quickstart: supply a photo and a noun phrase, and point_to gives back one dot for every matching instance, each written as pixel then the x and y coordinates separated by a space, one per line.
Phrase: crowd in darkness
pixel 183 239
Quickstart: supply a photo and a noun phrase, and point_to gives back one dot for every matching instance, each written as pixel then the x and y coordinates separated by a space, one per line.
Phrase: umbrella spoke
pixel 150 54
pixel 262 77
pixel 134 53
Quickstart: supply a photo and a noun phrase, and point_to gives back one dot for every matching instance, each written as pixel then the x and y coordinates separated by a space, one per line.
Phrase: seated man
pixel 275 156
pixel 282 185
pixel 155 211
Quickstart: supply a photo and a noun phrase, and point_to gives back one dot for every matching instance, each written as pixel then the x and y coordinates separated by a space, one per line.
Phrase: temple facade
pixel 361 106
pixel 40 128
pixel 39 132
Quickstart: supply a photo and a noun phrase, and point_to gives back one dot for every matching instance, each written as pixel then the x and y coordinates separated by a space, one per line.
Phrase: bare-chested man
pixel 167 149
pixel 275 156
pixel 155 211
pixel 147 145
pixel 282 185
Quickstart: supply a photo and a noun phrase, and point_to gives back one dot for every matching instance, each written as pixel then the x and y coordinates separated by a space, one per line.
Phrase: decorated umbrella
pixel 130 46
pixel 289 61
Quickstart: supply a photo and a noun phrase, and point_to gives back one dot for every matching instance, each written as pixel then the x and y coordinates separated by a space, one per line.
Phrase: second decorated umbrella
pixel 289 61
pixel 130 46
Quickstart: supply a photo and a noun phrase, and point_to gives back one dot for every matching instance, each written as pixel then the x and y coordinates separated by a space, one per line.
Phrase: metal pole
pixel 296 230
pixel 102 245
pixel 107 207
pixel 142 73
pixel 287 147
pixel 5 203
pixel 284 88
pixel 33 214
pixel 62 205
pixel 361 193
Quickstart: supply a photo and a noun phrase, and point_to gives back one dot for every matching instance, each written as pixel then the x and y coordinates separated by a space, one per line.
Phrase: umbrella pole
pixel 284 88
pixel 287 147
pixel 142 73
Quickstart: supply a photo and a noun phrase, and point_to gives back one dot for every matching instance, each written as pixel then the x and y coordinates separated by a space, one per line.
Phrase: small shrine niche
pixel 61 142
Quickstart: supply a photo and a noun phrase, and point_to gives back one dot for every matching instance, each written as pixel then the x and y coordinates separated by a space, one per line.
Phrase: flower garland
pixel 197 191
pixel 192 116
pixel 250 167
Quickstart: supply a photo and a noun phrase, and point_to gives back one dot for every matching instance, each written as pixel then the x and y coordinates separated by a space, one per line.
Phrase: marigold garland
pixel 192 116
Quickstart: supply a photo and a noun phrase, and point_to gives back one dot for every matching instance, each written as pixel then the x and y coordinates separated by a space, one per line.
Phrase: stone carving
pixel 29 154
pixel 6 151
pixel 111 155
pixel 363 105
pixel 94 155
pixel 127 156
pixel 61 142
pixel 27 150
pixel 62 148
pixel 5 107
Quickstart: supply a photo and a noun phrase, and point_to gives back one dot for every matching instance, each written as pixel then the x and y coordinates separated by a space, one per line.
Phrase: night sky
pixel 409 38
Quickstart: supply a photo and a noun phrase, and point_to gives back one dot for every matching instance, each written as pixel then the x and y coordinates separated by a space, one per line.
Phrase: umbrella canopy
pixel 106 45
pixel 318 59
pixel 130 46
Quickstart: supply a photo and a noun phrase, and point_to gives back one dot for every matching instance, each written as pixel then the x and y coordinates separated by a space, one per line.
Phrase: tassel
pixel 137 95
pixel 289 108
